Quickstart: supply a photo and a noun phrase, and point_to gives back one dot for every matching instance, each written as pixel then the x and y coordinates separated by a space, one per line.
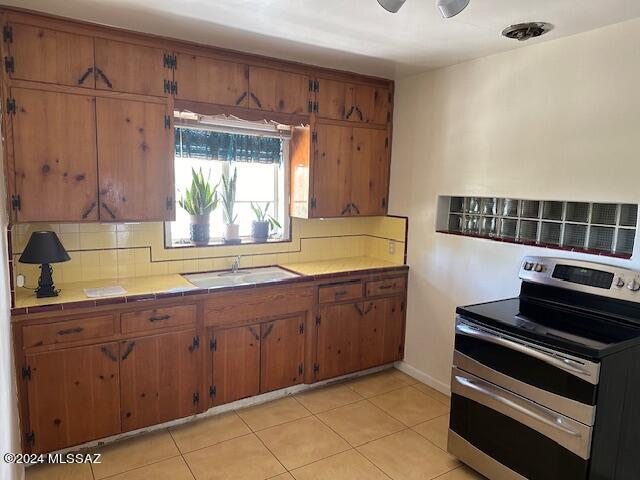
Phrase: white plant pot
pixel 232 232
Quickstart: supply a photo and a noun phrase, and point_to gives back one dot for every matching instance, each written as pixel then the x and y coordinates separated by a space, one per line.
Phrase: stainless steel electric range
pixel 546 386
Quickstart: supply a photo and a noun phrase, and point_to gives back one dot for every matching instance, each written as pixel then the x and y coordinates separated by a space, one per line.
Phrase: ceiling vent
pixel 525 31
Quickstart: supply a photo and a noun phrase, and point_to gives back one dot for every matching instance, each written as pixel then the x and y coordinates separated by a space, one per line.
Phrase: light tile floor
pixel 379 427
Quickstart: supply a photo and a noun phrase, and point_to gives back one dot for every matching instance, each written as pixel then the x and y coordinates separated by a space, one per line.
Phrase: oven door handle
pixel 548 419
pixel 563 363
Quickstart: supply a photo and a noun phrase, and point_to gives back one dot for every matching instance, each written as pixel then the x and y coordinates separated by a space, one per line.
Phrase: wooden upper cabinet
pixel 353 102
pixel 369 171
pixel 55 159
pixel 236 364
pixel 127 67
pixel 135 160
pixel 278 91
pixel 205 79
pixel 282 353
pixel 74 396
pixel 332 171
pixel 50 56
pixel 159 378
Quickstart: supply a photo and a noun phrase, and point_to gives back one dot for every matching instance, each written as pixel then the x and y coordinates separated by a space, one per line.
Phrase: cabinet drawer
pixel 386 286
pixel 342 291
pixel 68 331
pixel 157 318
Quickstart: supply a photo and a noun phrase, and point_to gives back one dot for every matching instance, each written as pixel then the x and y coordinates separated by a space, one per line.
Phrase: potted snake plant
pixel 263 224
pixel 232 229
pixel 199 201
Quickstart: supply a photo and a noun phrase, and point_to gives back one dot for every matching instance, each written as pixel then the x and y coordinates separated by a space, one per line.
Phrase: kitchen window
pixel 258 152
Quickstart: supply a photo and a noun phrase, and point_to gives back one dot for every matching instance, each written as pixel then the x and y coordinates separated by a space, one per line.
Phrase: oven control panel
pixel 588 277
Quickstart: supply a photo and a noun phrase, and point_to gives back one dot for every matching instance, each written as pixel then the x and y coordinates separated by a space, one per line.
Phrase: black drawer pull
pixel 70 330
pixel 385 287
pixel 160 318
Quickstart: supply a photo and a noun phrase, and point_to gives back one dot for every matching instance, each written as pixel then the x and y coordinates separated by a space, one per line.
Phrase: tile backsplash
pixel 104 251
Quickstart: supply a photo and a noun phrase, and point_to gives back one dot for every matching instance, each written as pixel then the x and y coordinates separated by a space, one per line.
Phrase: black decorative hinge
pixel 313 203
pixel 301 329
pixel 318 319
pixel 384 202
pixel 212 391
pixel 11 106
pixel 314 85
pixel 386 142
pixel 300 369
pixel 15 202
pixel 388 116
pixel 171 87
pixel 213 344
pixel 316 368
pixel 7 33
pixel 169 203
pixel 26 372
pixel 196 398
pixel 314 137
pixel 313 107
pixel 167 121
pixel 170 61
pixel 402 306
pixel 195 344
pixel 9 64
pixel 30 438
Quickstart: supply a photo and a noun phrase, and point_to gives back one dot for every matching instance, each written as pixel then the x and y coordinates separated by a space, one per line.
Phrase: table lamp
pixel 44 248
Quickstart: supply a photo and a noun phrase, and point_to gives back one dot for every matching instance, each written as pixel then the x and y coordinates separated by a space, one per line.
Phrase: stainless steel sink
pixel 241 277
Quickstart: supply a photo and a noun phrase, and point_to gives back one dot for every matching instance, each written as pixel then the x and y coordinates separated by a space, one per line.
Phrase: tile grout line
pixel 181 454
pixel 264 445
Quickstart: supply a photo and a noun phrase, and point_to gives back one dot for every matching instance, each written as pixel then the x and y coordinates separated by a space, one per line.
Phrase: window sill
pixel 221 243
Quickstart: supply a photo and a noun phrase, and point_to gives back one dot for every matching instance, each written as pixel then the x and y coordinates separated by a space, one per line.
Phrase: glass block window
pixel 599 228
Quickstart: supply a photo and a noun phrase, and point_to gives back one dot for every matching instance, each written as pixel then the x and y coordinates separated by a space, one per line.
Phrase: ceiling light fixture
pixel 391 5
pixel 451 8
pixel 525 31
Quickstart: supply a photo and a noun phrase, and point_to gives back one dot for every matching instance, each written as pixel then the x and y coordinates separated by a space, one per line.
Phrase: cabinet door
pixel 372 334
pixel 369 172
pixel 394 326
pixel 127 67
pixel 282 353
pixel 338 343
pixel 370 104
pixel 159 376
pixel 332 98
pixel 204 79
pixel 73 396
pixel 55 157
pixel 135 161
pixel 331 171
pixel 278 91
pixel 236 363
pixel 45 55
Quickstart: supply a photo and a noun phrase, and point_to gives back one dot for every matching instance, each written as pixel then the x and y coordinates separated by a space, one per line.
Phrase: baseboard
pixel 424 377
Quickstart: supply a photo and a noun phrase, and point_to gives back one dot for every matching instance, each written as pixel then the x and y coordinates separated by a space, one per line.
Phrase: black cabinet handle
pixel 159 318
pixel 85 75
pixel 104 77
pixel 255 99
pixel 349 113
pixel 268 332
pixel 360 114
pixel 255 335
pixel 369 308
pixel 356 208
pixel 358 309
pixel 240 98
pixel 108 353
pixel 345 209
pixel 88 210
pixel 128 350
pixel 108 210
pixel 69 331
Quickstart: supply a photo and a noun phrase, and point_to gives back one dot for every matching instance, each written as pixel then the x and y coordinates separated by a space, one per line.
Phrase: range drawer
pixel 157 318
pixel 68 331
pixel 386 287
pixel 339 292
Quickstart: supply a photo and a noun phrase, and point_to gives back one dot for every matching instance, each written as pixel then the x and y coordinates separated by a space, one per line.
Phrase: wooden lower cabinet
pixel 281 353
pixel 338 344
pixel 74 396
pixel 159 378
pixel 381 332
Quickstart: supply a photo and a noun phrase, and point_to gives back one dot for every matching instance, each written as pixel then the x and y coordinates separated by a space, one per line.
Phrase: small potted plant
pixel 263 224
pixel 232 229
pixel 200 199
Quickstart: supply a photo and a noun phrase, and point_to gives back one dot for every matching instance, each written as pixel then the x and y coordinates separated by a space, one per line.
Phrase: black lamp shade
pixel 44 247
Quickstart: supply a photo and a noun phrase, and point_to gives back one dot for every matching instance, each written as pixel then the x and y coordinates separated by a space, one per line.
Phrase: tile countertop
pixel 72 295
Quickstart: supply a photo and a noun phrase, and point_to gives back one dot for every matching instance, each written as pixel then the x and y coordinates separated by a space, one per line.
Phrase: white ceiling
pixel 355 35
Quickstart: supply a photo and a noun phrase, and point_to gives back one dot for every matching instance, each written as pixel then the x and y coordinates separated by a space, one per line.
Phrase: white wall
pixel 558 120
pixel 9 433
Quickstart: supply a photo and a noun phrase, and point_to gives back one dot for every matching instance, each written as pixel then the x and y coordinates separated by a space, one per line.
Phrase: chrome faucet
pixel 235 266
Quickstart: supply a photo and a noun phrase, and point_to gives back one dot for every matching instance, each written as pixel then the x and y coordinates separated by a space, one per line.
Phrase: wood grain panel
pixel 73 396
pixel 369 171
pixel 236 363
pixel 157 318
pixel 278 91
pixel 394 329
pixel 332 98
pixel 282 353
pixel 127 67
pixel 135 161
pixel 159 377
pixel 68 331
pixel 331 171
pixel 50 56
pixel 338 342
pixel 55 159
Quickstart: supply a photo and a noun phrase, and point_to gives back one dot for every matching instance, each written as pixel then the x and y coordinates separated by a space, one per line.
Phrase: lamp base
pixel 45 283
